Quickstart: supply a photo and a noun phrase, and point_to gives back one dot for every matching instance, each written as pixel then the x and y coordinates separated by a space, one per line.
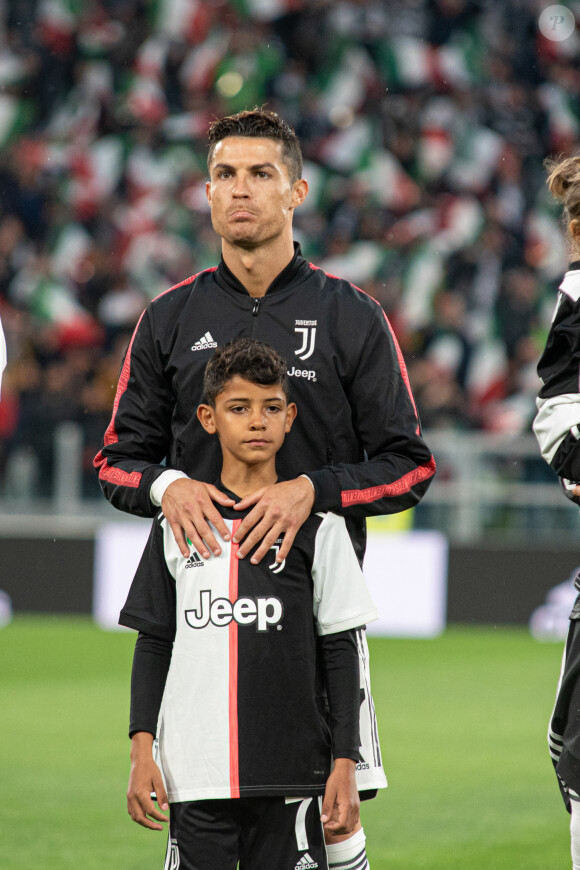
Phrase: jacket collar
pixel 294 270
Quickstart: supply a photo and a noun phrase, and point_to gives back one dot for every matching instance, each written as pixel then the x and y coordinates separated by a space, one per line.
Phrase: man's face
pixel 250 194
pixel 251 420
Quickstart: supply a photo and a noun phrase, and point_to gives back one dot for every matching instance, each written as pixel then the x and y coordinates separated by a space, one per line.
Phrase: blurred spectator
pixel 424 125
pixel 516 308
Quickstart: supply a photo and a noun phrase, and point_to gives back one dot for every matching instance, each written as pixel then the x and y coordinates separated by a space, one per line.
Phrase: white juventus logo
pixel 308 340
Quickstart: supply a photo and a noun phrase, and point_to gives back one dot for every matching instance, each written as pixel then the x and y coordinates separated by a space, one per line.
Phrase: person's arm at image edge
pixel 557 422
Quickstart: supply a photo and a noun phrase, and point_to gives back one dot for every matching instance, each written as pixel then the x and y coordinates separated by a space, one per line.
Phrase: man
pixel 357 447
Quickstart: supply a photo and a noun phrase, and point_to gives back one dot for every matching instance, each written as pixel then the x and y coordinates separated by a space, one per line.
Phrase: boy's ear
pixel 291 412
pixel 205 416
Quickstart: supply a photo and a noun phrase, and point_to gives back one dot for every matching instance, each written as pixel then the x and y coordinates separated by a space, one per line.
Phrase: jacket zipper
pixel 255 310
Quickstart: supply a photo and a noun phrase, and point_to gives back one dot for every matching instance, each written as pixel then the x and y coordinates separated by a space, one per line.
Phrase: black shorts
pixel 262 833
pixel 564 731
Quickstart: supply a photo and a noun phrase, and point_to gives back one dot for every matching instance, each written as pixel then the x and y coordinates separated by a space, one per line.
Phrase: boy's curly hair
pixel 255 361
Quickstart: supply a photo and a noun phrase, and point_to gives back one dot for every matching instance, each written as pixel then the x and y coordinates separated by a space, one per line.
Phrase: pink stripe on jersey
pixel 389 490
pixel 106 471
pixel 402 366
pixel 233 671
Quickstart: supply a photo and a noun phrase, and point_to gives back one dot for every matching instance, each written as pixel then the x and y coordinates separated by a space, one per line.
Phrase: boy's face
pixel 251 420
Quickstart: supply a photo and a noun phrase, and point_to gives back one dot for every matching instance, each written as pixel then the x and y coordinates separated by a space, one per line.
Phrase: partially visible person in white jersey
pixel 253 678
pixel 557 428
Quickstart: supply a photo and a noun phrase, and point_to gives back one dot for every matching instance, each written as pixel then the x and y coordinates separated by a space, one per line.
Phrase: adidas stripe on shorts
pixel 262 833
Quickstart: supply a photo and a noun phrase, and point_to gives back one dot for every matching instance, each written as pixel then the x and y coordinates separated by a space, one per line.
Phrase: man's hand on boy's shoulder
pixel 278 510
pixel 145 777
pixel 188 505
pixel 341 803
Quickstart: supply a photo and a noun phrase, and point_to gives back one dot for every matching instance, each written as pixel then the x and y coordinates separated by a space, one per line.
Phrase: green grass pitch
pixel 463 721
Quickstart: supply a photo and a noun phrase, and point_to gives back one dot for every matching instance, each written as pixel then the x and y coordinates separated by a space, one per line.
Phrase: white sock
pixel 575 835
pixel 349 854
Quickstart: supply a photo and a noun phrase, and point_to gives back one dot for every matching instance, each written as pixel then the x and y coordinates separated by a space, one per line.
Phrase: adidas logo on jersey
pixel 194 561
pixel 306 863
pixel 205 342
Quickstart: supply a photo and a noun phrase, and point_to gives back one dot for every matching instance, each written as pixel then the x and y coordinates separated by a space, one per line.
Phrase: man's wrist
pixel 327 496
pixel 161 483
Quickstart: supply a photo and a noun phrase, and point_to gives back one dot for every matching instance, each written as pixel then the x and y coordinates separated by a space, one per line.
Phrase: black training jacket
pixel 357 433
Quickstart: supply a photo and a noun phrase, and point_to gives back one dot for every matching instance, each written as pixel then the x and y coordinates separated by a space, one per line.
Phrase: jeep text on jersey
pixel 264 611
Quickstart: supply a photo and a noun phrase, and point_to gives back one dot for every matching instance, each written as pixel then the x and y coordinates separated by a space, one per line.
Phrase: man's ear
pixel 205 415
pixel 291 412
pixel 299 192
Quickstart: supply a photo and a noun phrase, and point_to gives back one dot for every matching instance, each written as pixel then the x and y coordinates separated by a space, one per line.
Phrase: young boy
pixel 253 677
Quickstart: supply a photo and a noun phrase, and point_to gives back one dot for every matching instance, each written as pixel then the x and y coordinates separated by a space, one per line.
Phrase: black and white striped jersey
pixel 557 423
pixel 243 712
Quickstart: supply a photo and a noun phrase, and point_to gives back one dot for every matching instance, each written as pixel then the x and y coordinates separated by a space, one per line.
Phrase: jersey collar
pixel 230 513
pixel 293 271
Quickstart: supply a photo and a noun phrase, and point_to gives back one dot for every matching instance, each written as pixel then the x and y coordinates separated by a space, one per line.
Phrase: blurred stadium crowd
pixel 424 125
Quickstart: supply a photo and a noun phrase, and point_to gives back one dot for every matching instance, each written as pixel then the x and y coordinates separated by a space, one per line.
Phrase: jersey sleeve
pixel 557 422
pixel 399 466
pixel 137 439
pixel 340 662
pixel 150 604
pixel 151 660
pixel 341 598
